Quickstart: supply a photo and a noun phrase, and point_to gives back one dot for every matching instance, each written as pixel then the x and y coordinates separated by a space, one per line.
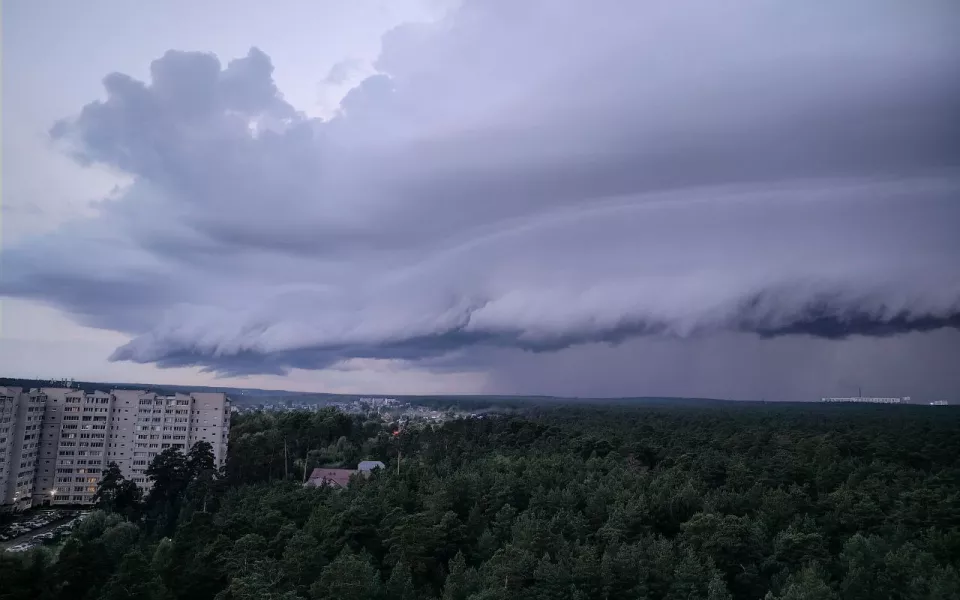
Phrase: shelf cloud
pixel 528 176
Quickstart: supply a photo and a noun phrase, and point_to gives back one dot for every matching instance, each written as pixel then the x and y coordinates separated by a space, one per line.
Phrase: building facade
pixel 21 416
pixel 55 443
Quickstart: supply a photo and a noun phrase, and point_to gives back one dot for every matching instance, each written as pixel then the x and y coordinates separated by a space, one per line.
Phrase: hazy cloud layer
pixel 529 176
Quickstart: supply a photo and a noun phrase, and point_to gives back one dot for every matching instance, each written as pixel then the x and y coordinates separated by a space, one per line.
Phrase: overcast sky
pixel 752 199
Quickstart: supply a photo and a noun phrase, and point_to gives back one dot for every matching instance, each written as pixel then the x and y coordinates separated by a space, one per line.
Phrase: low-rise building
pixel 369 465
pixel 337 478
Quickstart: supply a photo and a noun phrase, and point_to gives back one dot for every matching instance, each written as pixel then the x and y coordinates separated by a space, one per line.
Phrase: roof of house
pixel 369 465
pixel 337 477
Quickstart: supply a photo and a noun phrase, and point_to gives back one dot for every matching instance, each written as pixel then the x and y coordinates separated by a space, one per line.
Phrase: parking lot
pixel 37 528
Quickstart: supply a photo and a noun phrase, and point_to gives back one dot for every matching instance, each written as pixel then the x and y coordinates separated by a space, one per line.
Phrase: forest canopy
pixel 589 502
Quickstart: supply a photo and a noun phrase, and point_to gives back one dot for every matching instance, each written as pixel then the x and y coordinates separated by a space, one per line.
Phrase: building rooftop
pixel 369 465
pixel 333 477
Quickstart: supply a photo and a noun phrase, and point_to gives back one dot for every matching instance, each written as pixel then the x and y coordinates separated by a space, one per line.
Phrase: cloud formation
pixel 528 176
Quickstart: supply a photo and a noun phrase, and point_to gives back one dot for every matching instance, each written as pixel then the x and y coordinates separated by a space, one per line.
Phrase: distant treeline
pixel 469 403
pixel 252 397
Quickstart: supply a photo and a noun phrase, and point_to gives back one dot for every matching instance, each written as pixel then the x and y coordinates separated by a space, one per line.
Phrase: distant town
pixel 879 400
pixel 388 409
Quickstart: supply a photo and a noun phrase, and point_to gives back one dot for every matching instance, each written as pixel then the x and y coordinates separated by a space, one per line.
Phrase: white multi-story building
pixel 55 443
pixel 21 415
pixel 9 406
pixel 144 424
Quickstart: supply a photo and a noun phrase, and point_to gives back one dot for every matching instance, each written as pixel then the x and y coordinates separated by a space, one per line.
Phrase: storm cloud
pixel 531 176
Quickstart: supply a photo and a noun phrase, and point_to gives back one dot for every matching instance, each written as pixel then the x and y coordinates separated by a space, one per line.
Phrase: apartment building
pixel 72 447
pixel 145 423
pixel 50 432
pixel 55 443
pixel 21 416
pixel 9 399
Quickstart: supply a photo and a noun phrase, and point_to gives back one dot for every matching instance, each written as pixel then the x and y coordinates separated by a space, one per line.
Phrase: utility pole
pixel 306 466
pixel 396 434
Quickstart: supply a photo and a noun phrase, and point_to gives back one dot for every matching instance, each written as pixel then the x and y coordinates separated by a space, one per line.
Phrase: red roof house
pixel 338 478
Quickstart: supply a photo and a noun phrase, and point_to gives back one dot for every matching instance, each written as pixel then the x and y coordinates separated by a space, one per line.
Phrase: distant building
pixel 866 400
pixel 337 478
pixel 340 478
pixel 369 465
pixel 939 403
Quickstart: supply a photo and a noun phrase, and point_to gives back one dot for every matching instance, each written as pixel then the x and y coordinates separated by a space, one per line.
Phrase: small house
pixel 337 478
